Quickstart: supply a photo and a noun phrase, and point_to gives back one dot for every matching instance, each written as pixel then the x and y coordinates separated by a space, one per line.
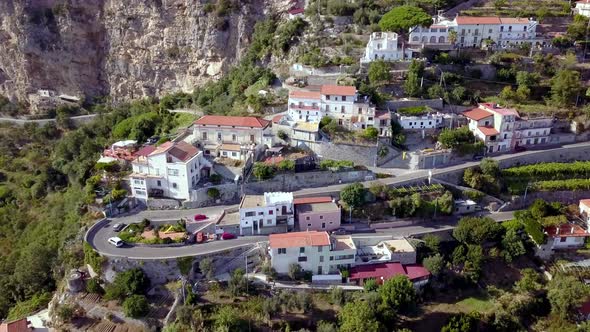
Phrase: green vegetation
pixel 401 19
pixel 136 306
pixel 92 258
pixel 379 72
pixel 415 72
pixel 486 177
pixel 263 171
pixel 547 177
pixel 127 283
pixel 185 264
pixel 335 164
pixel 353 195
pixel 286 165
pixel 461 140
pixel 213 193
pixel 413 111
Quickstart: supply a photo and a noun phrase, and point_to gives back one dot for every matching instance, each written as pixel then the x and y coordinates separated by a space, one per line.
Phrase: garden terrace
pixel 548 177
pixel 413 111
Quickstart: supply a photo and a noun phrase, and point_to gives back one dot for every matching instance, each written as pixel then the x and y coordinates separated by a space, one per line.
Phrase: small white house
pixel 266 214
pixel 583 7
pixel 383 46
pixel 426 121
pixel 466 207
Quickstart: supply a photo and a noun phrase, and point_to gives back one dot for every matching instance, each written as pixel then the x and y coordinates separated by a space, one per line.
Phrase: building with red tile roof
pixel 231 121
pixel 21 325
pixel 483 20
pixel 477 114
pixel 338 90
pixel 385 271
pixel 317 252
pixel 488 131
pixel 311 200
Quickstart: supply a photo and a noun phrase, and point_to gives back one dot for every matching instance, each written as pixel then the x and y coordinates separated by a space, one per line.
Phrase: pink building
pixel 317 214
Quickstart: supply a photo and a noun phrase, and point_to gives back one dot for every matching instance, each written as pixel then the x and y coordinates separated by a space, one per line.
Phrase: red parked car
pixel 200 237
pixel 199 217
pixel 227 236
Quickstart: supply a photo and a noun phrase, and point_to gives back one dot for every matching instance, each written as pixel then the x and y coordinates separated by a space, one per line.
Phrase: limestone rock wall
pixel 123 49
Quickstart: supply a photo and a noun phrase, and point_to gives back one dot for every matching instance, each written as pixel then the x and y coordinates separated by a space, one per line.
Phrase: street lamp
pixel 526 191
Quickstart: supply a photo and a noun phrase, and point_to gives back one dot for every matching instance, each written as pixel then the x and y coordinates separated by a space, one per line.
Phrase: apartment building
pixel 231 136
pixel 172 170
pixel 342 103
pixel 477 32
pixel 265 214
pixel 317 252
pixel 384 46
pixel 317 214
pixel 502 129
pixel 583 8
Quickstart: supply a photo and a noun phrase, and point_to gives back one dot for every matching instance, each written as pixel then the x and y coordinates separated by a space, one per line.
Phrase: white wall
pixel 569 242
pixel 315 258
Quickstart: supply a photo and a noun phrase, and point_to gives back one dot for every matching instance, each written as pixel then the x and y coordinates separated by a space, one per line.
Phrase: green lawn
pixel 480 304
pixel 183 120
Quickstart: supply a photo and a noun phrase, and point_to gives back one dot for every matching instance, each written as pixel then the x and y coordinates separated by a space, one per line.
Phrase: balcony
pixel 304 107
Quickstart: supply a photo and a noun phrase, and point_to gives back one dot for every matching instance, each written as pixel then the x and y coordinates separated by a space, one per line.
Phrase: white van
pixel 116 241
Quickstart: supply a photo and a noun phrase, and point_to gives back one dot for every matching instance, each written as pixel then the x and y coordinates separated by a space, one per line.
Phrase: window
pixel 204 136
pixel 269 221
pixel 505 136
pixel 141 192
pixel 302 259
pixel 321 217
pixel 342 109
pixel 219 136
pixel 360 110
pixel 250 214
pixel 343 98
pixel 490 31
pixel 224 153
pixel 320 248
pixel 501 29
pixel 282 251
pixel 174 185
pixel 434 30
pixel 321 259
pixel 251 138
pixel 138 181
pixel 509 28
pixel 327 97
pixel 159 183
pixel 323 225
pixel 234 137
pixel 306 218
pixel 331 258
pixel 260 213
pixel 308 225
pixel 234 154
pixel 463 32
pixel 562 239
pixel 443 30
pixel 301 250
pixel 476 32
pixel 271 212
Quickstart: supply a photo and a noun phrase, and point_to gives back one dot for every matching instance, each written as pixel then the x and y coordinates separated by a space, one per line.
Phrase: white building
pixel 373 251
pixel 501 129
pixel 341 103
pixel 266 214
pixel 465 206
pixel 317 252
pixel 477 31
pixel 305 105
pixel 383 46
pixel 583 7
pixel 231 136
pixel 424 121
pixel 171 170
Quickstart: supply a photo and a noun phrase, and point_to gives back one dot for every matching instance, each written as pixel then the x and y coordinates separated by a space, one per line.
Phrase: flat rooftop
pixel 400 245
pixel 343 243
pixel 252 201
pixel 317 207
pixel 229 219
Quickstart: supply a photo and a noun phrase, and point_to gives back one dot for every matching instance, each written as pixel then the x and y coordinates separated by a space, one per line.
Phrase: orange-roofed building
pixel 171 170
pixel 566 236
pixel 21 325
pixel 233 137
pixel 477 31
pixel 316 252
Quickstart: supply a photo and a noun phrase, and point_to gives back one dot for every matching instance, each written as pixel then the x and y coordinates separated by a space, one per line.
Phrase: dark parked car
pixel 227 236
pixel 478 157
pixel 200 217
pixel 118 227
pixel 339 231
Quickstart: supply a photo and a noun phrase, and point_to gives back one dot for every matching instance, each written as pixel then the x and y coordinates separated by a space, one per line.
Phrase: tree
pixel 398 293
pixel 371 285
pixel 434 264
pixel 237 282
pixel 529 282
pixel 401 19
pixel 474 230
pixel 294 271
pixel 577 29
pixel 207 267
pixel 227 318
pixel 358 317
pixel 337 296
pixel 93 286
pixel 513 245
pixel 490 167
pixel 136 306
pixel 453 37
pixel 286 165
pixel 263 171
pixel 130 282
pixel 379 72
pixel 324 326
pixel 565 86
pixel 353 195
pixel 412 83
pixel 213 193
pixel 370 133
pixel 461 323
pixel 566 293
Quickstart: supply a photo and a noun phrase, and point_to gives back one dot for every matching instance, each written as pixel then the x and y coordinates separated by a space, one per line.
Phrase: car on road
pixel 199 217
pixel 118 227
pixel 478 157
pixel 227 236
pixel 152 140
pixel 116 241
pixel 339 231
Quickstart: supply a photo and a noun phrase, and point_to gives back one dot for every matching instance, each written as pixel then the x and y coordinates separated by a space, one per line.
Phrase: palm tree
pixel 452 37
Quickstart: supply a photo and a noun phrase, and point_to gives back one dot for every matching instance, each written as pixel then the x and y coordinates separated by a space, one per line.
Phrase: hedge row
pixel 549 171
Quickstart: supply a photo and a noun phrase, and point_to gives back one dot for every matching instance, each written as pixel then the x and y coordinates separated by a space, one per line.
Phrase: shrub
pixel 282 135
pixel 371 285
pixel 286 165
pixel 65 313
pixel 370 133
pixel 136 306
pixel 412 111
pixel 92 258
pixel 213 193
pixel 474 195
pixel 328 163
pixel 263 171
pixel 215 178
pixel 93 286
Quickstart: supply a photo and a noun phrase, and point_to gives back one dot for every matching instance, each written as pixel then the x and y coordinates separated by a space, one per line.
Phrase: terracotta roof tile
pixel 20 325
pixel 305 94
pixel 145 151
pixel 477 114
pixel 488 131
pixel 514 20
pixel 585 202
pixel 230 147
pixel 567 230
pixel 338 90
pixel 478 20
pixel 237 121
pixel 312 200
pixel 183 151
pixel 385 271
pixel 277 118
pixel 299 239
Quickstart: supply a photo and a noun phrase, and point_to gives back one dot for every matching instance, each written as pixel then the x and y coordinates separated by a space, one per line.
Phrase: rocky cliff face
pixel 122 49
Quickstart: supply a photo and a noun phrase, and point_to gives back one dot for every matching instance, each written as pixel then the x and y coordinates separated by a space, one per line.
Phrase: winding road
pixel 97 236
